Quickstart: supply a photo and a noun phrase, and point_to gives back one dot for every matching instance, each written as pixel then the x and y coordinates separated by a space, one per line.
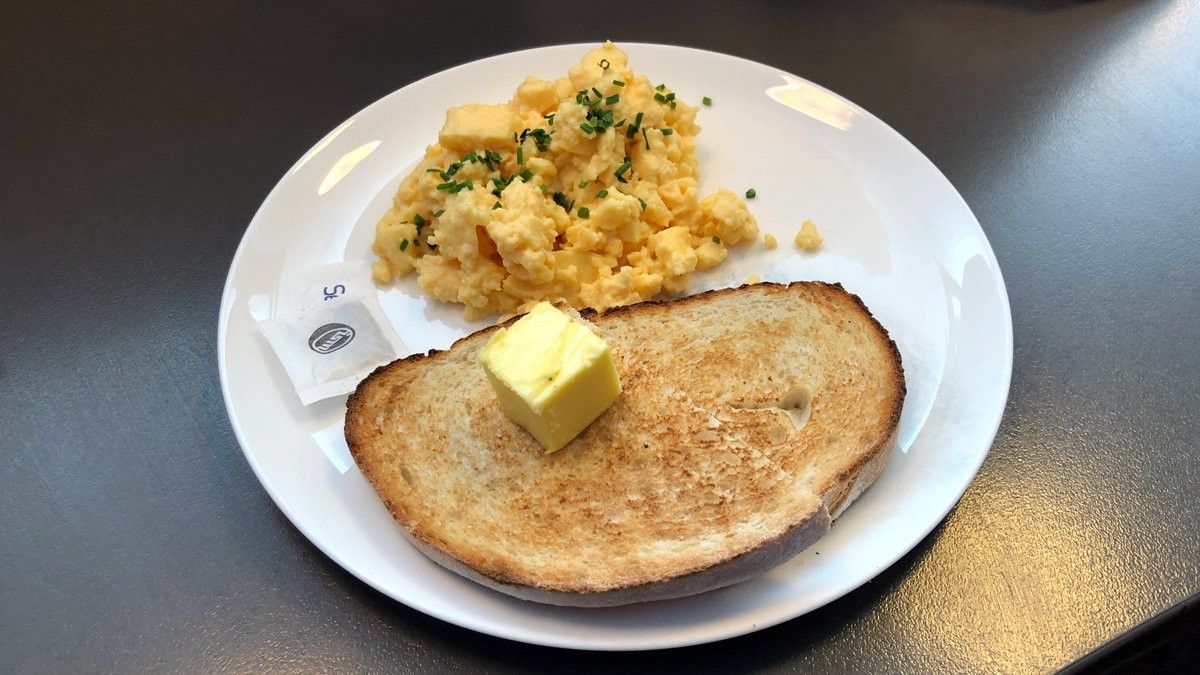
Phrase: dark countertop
pixel 139 139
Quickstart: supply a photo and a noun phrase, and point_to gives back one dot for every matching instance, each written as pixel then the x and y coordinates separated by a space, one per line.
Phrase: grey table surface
pixel 138 139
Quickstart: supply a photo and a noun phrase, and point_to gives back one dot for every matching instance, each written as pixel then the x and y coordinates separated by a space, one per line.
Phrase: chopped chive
pixel 619 173
pixel 667 132
pixel 404 245
pixel 541 139
pixel 672 105
pixel 560 199
pixel 630 131
pixel 645 138
pixel 637 121
pixel 542 187
pixel 660 87
pixel 526 175
pixel 601 194
pixel 660 98
pixel 446 186
pixel 603 64
pixel 433 170
pixel 495 206
pixel 515 138
pixel 418 220
pixel 520 154
pixel 597 93
pixel 620 124
pixel 438 213
pixel 619 83
pixel 642 202
pixel 583 212
pixel 612 99
pixel 706 101
pixel 469 157
pixel 583 183
pixel 716 239
pixel 587 128
pixel 550 118
pixel 750 194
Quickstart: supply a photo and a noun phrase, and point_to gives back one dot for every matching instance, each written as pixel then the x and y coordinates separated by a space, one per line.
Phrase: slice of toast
pixel 749 418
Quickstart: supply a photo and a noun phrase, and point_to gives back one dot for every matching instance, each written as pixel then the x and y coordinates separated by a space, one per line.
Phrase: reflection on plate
pixel 896 233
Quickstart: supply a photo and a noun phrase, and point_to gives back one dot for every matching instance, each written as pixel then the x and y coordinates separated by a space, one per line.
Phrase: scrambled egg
pixel 808 239
pixel 582 190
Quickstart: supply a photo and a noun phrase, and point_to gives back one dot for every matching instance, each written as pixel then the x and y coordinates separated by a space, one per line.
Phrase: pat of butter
pixel 471 126
pixel 552 374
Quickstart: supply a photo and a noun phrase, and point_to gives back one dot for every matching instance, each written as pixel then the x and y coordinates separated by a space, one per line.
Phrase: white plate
pixel 896 233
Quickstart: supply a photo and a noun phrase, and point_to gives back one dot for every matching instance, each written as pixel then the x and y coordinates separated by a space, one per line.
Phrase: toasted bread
pixel 750 418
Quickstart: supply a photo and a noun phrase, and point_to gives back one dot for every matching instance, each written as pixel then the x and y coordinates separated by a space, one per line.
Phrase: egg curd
pixel 583 190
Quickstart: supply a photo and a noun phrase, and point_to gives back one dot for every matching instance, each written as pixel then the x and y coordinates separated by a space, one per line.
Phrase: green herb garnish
pixel 750 194
pixel 620 172
pixel 583 212
pixel 716 239
pixel 706 101
pixel 404 245
pixel 602 194
pixel 612 99
pixel 541 139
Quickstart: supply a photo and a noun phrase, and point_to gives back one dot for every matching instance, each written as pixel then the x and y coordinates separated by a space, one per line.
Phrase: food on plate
pixel 749 418
pixel 552 375
pixel 769 241
pixel 583 190
pixel 808 239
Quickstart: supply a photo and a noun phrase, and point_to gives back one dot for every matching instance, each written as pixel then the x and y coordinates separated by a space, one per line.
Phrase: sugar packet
pixel 333 333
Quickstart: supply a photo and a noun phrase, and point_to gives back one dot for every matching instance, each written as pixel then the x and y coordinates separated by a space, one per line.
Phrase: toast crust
pixel 695 479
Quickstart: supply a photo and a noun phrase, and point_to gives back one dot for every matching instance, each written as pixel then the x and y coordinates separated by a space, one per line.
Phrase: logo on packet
pixel 330 338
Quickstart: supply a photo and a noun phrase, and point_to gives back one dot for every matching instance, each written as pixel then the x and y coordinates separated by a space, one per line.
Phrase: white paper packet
pixel 334 333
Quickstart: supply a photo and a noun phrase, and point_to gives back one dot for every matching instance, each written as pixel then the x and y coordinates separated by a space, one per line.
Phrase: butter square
pixel 552 375
pixel 471 127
